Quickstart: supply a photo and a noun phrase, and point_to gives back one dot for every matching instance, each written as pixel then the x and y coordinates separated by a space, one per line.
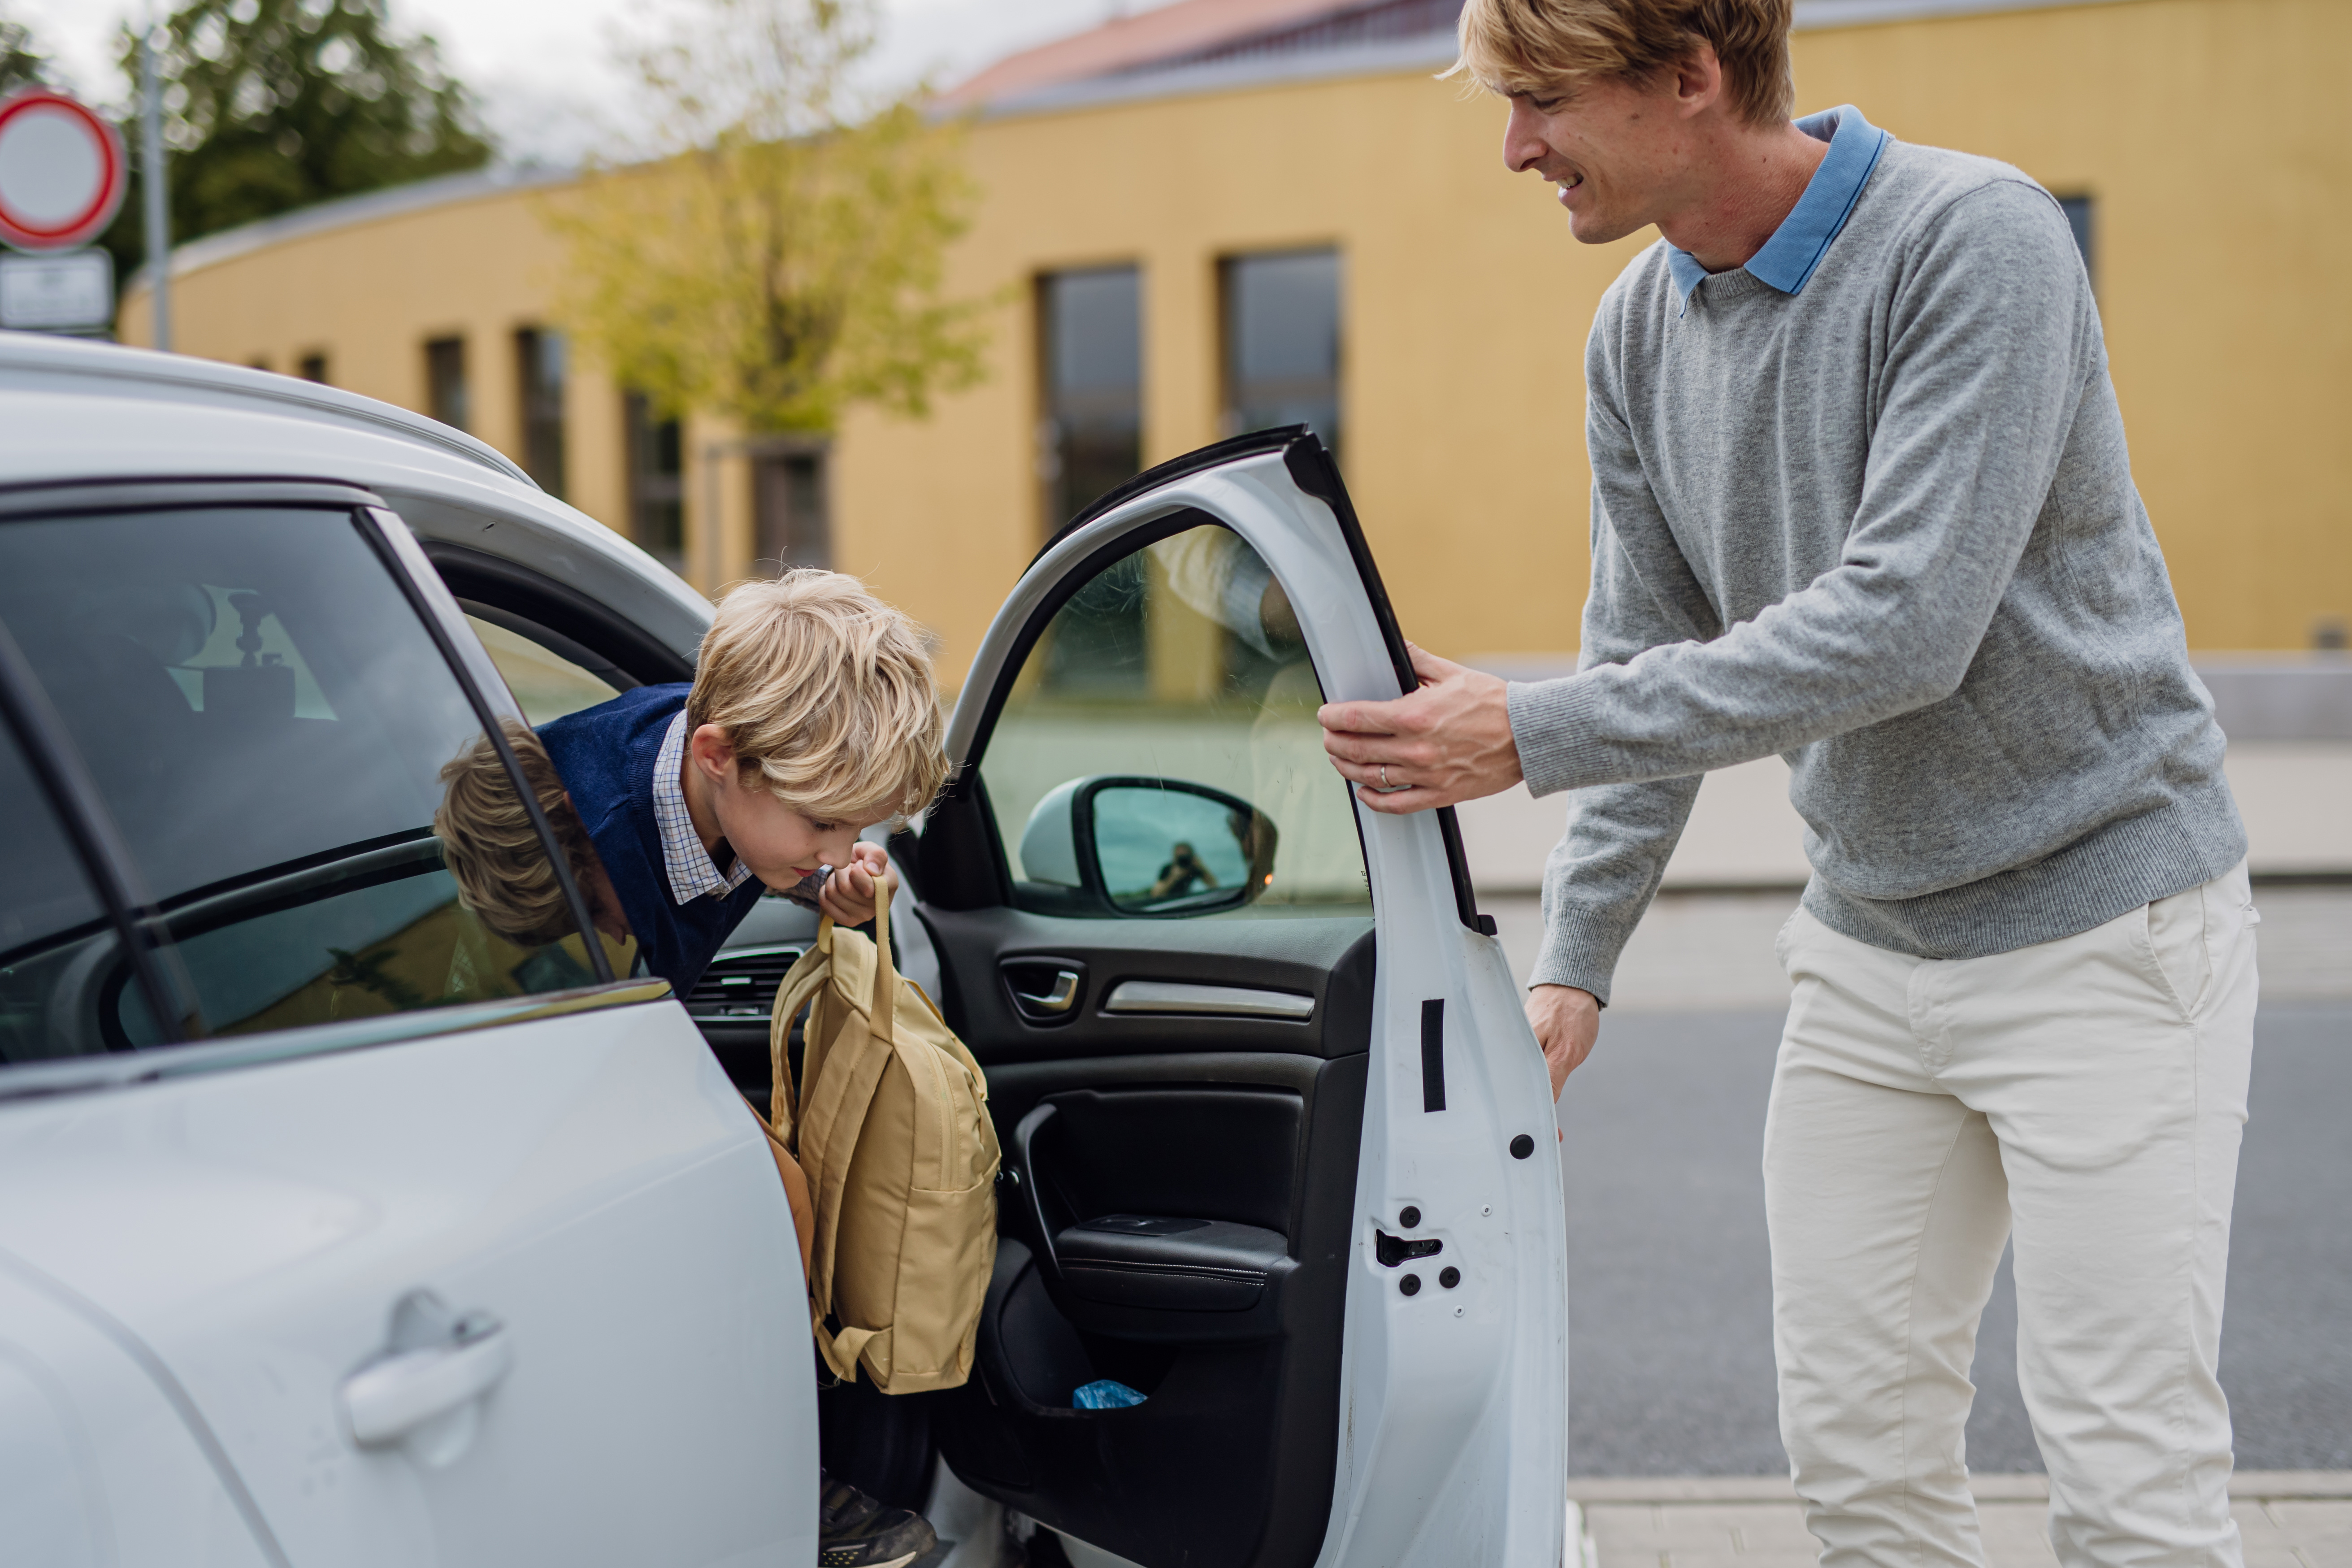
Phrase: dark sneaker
pixel 855 1530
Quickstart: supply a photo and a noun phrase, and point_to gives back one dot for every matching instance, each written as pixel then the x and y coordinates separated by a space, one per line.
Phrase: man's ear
pixel 1698 80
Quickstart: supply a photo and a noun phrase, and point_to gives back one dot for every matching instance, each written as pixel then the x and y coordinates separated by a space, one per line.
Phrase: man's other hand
pixel 1566 1021
pixel 1447 742
pixel 849 894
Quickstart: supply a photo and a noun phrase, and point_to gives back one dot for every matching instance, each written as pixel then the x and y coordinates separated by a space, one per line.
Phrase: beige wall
pixel 2213 134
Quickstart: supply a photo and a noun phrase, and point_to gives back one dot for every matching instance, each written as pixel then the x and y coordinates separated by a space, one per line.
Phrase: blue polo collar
pixel 1797 247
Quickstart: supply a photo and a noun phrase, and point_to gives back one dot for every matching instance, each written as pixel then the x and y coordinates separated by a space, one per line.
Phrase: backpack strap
pixel 836 1112
pixel 807 977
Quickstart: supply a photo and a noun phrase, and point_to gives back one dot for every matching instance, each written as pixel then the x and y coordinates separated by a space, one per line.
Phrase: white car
pixel 336 1229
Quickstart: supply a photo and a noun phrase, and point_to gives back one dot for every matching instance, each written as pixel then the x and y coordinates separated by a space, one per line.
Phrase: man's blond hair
pixel 1539 47
pixel 492 849
pixel 827 695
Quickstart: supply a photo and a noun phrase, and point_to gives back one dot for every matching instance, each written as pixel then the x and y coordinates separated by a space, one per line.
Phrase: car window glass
pixel 268 723
pixel 545 684
pixel 52 926
pixel 1159 754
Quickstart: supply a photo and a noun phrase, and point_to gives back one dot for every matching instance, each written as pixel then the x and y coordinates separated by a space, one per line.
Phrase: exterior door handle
pixel 427 1397
pixel 1057 1000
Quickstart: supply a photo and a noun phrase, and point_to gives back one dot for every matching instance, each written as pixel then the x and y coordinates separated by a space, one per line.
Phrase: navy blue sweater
pixel 606 756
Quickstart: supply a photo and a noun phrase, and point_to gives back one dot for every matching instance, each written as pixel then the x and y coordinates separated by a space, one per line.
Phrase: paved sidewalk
pixel 2289 1518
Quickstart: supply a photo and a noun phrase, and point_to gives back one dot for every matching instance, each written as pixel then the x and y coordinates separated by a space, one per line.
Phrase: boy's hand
pixel 849 894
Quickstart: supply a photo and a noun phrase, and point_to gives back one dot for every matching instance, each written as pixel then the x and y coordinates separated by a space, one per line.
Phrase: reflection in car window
pixel 546 685
pixel 52 927
pixel 267 722
pixel 1181 661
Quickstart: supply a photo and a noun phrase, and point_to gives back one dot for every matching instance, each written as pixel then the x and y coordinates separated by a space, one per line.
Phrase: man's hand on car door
pixel 1447 742
pixel 1566 1021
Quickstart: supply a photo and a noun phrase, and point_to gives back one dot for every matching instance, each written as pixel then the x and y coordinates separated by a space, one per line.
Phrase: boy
pixel 812 716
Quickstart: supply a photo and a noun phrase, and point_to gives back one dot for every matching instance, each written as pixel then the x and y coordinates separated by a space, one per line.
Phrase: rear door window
pixel 52 926
pixel 274 732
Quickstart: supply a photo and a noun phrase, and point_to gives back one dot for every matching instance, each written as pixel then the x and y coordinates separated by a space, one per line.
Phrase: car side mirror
pixel 1150 847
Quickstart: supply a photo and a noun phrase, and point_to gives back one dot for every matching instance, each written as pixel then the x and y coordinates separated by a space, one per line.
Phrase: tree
pixel 775 255
pixel 21 65
pixel 276 104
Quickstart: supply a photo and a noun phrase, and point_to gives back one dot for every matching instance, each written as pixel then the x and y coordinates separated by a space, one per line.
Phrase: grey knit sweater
pixel 1885 527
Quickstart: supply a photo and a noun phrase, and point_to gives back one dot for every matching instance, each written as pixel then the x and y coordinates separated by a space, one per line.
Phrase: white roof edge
pixel 136 372
pixel 346 212
pixel 1435 49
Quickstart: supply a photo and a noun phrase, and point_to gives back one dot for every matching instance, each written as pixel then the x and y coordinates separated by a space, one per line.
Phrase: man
pixel 1861 498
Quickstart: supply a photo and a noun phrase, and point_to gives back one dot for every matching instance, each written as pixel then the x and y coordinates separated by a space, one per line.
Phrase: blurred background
pixel 898 288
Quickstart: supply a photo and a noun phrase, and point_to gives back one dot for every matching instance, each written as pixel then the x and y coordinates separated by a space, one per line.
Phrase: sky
pixel 544 68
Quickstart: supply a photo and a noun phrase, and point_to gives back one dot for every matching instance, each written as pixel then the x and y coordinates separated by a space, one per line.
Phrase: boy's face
pixel 780 845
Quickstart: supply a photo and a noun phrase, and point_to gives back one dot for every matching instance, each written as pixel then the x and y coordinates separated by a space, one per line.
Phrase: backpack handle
pixel 883 1006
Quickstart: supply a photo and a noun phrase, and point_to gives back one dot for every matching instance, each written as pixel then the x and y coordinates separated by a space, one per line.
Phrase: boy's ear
pixel 711 753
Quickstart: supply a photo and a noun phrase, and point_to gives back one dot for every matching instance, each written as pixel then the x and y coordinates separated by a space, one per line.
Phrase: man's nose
pixel 1523 142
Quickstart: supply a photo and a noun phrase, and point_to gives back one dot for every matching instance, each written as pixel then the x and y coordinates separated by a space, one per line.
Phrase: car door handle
pixel 1057 1000
pixel 428 1398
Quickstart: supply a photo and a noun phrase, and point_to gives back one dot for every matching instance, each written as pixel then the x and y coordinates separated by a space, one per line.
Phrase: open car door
pixel 1277 1133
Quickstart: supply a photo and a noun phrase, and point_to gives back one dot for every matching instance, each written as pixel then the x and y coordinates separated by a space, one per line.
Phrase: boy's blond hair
pixel 827 695
pixel 489 845
pixel 1541 45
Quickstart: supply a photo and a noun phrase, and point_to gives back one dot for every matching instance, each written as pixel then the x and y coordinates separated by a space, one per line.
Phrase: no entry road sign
pixel 61 172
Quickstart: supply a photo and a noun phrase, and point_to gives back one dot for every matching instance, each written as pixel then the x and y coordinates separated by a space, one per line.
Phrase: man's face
pixel 776 842
pixel 1620 151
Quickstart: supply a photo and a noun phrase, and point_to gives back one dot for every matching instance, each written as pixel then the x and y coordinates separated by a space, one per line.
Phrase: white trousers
pixel 2084 1097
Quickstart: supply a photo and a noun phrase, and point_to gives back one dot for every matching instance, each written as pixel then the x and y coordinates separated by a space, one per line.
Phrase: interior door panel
pixel 1231 1457
pixel 1176 1217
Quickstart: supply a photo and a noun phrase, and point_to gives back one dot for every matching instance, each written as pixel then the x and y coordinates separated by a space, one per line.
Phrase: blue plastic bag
pixel 1104 1394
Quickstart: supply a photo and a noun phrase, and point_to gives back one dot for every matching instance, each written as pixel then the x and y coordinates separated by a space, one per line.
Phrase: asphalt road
pixel 1670 1292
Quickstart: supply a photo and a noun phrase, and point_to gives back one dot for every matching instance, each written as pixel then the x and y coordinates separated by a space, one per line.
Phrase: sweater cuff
pixel 1551 724
pixel 1586 959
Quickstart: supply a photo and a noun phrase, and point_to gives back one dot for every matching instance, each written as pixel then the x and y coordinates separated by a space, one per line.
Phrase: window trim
pixel 156 1063
pixel 462 651
pixel 468 572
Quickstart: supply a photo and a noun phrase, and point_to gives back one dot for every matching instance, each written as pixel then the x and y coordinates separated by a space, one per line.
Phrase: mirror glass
pixel 1167 849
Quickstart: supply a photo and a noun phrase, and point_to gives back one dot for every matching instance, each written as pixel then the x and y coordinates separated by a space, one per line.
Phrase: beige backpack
pixel 891 1130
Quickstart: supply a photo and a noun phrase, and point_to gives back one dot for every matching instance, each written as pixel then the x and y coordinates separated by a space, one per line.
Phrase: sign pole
pixel 157 194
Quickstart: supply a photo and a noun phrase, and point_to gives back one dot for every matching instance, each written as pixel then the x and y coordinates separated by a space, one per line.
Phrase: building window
pixel 1282 343
pixel 539 360
pixel 445 382
pixel 2078 218
pixel 1090 436
pixel 657 481
pixel 788 507
pixel 312 367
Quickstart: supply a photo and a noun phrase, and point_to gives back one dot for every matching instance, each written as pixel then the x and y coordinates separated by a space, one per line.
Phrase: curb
pixel 1585 1491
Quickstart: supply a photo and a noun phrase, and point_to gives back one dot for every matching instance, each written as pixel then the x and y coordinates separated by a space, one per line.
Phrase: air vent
pixel 741 983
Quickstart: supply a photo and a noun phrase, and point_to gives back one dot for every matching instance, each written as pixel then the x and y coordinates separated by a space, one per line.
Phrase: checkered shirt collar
pixel 691 871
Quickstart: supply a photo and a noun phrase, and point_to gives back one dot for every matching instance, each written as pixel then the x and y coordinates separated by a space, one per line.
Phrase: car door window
pixel 545 684
pixel 1158 753
pixel 272 729
pixel 53 928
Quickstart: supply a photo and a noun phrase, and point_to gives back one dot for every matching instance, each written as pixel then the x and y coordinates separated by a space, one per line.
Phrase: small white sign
pixel 63 289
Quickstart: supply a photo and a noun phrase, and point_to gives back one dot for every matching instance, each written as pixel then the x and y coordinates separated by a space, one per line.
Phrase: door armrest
pixel 1171 1278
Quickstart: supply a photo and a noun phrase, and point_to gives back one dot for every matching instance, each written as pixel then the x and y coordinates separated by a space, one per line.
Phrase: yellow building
pixel 1234 211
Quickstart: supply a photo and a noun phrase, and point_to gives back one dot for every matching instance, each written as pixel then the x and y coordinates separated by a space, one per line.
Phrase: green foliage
pixel 276 104
pixel 21 65
pixel 776 257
